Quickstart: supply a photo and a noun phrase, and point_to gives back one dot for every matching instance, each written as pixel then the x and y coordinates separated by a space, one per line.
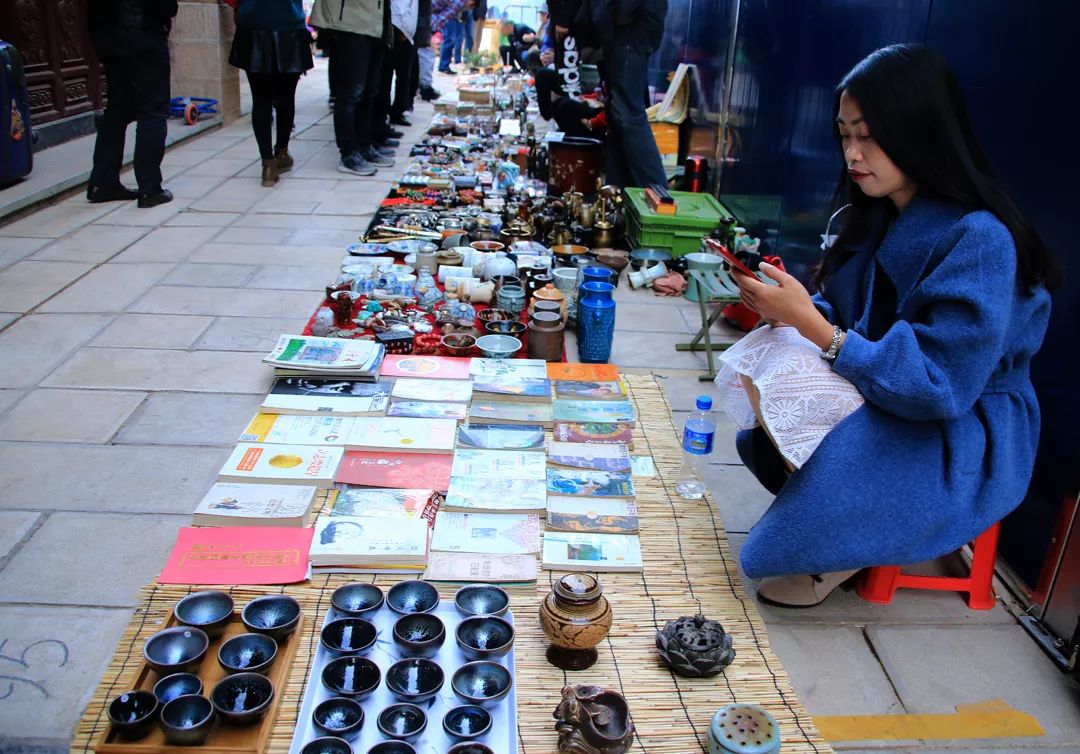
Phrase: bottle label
pixel 698 443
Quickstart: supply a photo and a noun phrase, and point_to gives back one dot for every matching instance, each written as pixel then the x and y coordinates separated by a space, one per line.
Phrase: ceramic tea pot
pixel 593 720
pixel 498 264
pixel 575 617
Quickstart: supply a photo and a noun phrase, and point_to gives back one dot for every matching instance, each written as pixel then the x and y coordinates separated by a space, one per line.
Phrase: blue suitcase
pixel 16 150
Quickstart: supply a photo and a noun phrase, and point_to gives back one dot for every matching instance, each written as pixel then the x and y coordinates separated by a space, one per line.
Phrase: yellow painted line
pixel 991 719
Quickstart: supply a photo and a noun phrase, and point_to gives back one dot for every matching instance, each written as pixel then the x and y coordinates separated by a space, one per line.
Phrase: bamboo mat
pixel 689 568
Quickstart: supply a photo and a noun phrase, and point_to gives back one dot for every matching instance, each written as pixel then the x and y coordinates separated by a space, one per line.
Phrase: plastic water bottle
pixel 697 442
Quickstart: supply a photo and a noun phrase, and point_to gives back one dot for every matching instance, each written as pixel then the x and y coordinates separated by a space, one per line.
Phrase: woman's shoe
pixel 801 590
pixel 284 160
pixel 269 173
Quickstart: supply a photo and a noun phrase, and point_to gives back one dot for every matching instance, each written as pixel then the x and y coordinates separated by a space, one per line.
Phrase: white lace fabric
pixel 802 398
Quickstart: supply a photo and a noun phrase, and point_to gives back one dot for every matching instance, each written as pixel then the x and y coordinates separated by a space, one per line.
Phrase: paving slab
pixel 99 559
pixel 271 236
pixel 254 334
pixel 8 398
pixel 279 202
pixel 92 243
pixel 739 497
pixel 653 350
pixel 235 195
pixel 194 186
pixel 132 214
pixel 237 253
pixel 144 479
pixel 109 288
pixel 169 331
pixel 188 155
pixel 224 167
pixel 55 657
pixel 14 526
pixel 84 416
pixel 240 302
pixel 171 244
pixel 934 668
pixel 26 284
pixel 355 223
pixel 35 345
pixel 156 369
pixel 211 275
pixel 12 248
pixel 190 419
pixel 338 238
pixel 57 220
pixel 190 218
pixel 635 318
pixel 681 392
pixel 307 278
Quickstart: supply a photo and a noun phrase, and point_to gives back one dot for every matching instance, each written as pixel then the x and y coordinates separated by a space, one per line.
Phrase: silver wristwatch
pixel 834 345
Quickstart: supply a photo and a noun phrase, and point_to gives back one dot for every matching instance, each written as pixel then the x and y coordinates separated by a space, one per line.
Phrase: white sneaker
pixel 801 590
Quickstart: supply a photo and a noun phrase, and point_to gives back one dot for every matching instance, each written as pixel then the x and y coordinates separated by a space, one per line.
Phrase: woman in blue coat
pixel 932 301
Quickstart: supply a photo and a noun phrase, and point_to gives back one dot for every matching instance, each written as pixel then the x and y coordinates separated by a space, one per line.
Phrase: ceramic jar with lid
pixel 546 332
pixel 427 260
pixel 550 293
pixel 511 298
pixel 575 617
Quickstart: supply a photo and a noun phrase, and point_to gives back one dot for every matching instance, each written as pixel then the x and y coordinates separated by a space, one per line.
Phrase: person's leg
pixel 285 109
pixel 467 27
pixel 262 110
pixel 414 78
pixel 380 103
pixel 375 102
pixel 631 138
pixel 350 55
pixel 150 83
pixel 404 55
pixel 104 182
pixel 425 58
pixel 568 114
pixel 548 87
pixel 504 54
pixel 446 49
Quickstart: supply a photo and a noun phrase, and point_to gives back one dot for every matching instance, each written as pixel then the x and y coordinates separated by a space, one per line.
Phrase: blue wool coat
pixel 939 339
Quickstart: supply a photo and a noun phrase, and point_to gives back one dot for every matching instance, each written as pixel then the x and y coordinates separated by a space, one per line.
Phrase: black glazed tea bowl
pixel 252 653
pixel 187 720
pixel 339 717
pixel 392 747
pixel 481 599
pixel 419 634
pixel 357 599
pixel 412 597
pixel 209 610
pixel 352 676
pixel 177 684
pixel 176 650
pixel 133 714
pixel 470 747
pixel 482 683
pixel 275 615
pixel 484 637
pixel 466 722
pixel 327 745
pixel 415 680
pixel 506 328
pixel 243 698
pixel 403 722
pixel 349 636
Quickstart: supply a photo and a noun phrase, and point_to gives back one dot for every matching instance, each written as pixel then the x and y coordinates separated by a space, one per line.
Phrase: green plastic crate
pixel 698 216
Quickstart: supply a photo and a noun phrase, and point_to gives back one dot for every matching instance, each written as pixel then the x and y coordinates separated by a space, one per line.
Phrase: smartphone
pixel 730 258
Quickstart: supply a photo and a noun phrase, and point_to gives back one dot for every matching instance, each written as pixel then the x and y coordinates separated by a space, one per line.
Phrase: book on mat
pixel 579 482
pixel 501 436
pixel 492 569
pixel 490 533
pixel 228 504
pixel 307 353
pixel 499 464
pixel 514 389
pixel 508 412
pixel 337 397
pixel 583 455
pixel 238 555
pixel 514 368
pixel 431 367
pixel 428 410
pixel 603 412
pixel 287 429
pixel 473 495
pixel 404 471
pixel 585 390
pixel 370 542
pixel 446 391
pixel 403 434
pixel 387 503
pixel 592 515
pixel 588 372
pixel 282 464
pixel 594 432
pixel 570 551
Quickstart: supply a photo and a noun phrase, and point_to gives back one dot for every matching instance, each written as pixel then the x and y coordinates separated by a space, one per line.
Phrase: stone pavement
pixel 129 362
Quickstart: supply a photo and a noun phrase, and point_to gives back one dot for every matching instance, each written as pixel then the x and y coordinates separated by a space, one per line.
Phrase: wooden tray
pixel 224 738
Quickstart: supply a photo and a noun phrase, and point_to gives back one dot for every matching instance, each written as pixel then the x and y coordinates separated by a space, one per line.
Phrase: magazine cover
pixel 591 515
pixel 309 395
pixel 584 390
pixel 583 455
pixel 621 434
pixel 585 483
pixel 492 533
pixel 388 502
pixel 569 551
pixel 499 464
pixel 608 412
pixel 468 493
pixel 501 436
pixel 428 410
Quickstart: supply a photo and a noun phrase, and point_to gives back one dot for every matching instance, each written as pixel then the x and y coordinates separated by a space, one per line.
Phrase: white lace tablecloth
pixel 802 398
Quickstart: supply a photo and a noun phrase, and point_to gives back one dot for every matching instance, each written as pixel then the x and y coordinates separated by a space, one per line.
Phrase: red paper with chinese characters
pixel 238 555
pixel 401 471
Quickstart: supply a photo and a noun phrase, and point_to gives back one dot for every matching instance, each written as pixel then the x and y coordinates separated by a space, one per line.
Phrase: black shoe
pixel 400 120
pixel 146 201
pixel 389 143
pixel 117 193
pixel 391 133
pixel 447 71
pixel 374 158
pixel 429 93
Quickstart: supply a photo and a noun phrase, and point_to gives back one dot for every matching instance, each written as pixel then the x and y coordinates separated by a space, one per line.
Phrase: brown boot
pixel 284 160
pixel 269 173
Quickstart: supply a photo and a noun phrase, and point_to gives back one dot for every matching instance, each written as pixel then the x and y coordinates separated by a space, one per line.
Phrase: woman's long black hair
pixel 913 107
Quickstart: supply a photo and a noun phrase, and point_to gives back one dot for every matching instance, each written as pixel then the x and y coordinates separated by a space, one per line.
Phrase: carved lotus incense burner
pixel 694 646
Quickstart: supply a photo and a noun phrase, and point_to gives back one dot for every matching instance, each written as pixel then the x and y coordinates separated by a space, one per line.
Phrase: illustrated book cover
pixel 446 391
pixel 513 368
pixel 499 464
pixel 403 471
pixel 282 464
pixel 490 533
pixel 428 410
pixel 570 551
pixel 594 432
pixel 431 367
pixel 585 372
pixel 604 412
pixel 492 569
pixel 508 412
pixel 591 515
pixel 501 436
pixel 229 504
pixel 583 455
pixel 370 542
pixel 403 434
pixel 578 482
pixel 475 495
pixel 283 429
pixel 584 390
pixel 307 353
pixel 388 503
pixel 337 397
pixel 238 555
pixel 520 389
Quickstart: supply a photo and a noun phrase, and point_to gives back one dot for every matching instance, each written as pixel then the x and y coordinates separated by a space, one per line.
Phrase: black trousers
pixel 548 88
pixel 380 103
pixel 272 93
pixel 404 57
pixel 513 54
pixel 138 91
pixel 632 156
pixel 354 83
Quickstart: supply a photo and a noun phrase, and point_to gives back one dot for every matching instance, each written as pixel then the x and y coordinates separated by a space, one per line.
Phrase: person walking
pixel 451 44
pixel 352 29
pixel 272 45
pixel 132 40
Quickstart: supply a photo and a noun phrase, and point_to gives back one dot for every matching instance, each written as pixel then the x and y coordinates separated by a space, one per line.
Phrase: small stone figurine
pixel 694 646
pixel 593 720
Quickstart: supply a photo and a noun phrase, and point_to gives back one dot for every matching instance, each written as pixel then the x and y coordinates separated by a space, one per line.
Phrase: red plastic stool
pixel 880 583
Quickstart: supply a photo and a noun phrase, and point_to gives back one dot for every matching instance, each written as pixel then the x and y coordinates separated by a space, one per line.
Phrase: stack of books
pixel 511 391
pixel 307 355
